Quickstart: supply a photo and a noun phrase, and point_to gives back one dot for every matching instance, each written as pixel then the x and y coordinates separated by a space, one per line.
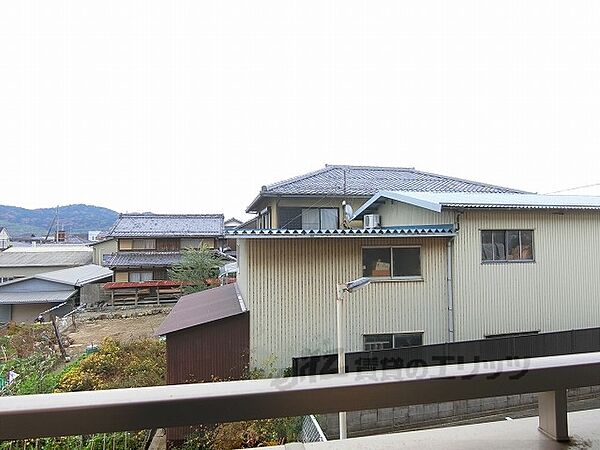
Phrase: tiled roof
pixel 141 259
pixel 364 181
pixel 407 231
pixel 167 225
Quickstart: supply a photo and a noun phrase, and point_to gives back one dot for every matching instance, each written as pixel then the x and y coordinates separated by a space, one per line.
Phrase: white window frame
pixel 392 277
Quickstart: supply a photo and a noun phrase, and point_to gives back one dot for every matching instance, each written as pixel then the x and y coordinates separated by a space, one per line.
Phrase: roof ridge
pixel 347 166
pixel 327 168
pixel 169 215
pixel 143 252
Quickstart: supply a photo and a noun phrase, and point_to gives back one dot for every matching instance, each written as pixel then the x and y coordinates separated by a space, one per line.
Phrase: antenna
pixel 54 220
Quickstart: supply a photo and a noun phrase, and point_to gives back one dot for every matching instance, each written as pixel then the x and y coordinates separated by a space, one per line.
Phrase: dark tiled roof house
pixel 293 203
pixel 146 245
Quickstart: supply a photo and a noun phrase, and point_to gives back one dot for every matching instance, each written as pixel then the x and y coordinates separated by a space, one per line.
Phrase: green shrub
pixel 37 374
pixel 117 441
pixel 115 365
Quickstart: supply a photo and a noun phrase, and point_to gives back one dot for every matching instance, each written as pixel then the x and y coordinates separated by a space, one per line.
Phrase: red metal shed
pixel 207 339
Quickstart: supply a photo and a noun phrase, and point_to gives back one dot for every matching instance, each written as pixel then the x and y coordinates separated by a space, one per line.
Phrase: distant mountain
pixel 73 219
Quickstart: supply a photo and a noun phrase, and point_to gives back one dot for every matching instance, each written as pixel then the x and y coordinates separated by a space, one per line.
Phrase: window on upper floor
pixel 392 262
pixel 264 219
pixel 144 244
pixel 140 276
pixel 308 218
pixel 506 245
pixel 168 245
pixel 125 244
pixel 137 244
pixel 161 274
pixel 388 341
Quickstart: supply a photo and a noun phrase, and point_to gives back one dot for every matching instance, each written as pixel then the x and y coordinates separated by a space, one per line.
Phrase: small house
pixel 142 247
pixel 57 292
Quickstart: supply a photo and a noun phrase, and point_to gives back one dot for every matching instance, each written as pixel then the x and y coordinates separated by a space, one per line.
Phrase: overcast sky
pixel 191 106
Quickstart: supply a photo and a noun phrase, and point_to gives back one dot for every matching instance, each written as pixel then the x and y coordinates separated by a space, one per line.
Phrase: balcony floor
pixel 584 429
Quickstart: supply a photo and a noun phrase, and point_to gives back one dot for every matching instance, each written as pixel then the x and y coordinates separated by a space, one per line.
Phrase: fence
pixel 311 430
pixel 106 441
pixel 76 413
pixel 493 349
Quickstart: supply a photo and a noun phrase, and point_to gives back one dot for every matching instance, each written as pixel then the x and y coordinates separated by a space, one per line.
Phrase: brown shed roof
pixel 203 307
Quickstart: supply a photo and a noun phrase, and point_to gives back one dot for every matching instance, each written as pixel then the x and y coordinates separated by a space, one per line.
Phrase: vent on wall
pixel 372 221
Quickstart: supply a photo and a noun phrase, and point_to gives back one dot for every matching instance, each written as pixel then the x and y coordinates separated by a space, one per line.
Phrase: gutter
pixel 449 290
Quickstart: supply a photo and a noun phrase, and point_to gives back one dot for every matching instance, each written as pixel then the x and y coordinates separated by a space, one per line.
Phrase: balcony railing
pixel 74 413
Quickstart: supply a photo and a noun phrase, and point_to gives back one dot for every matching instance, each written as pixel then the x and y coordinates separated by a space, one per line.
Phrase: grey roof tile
pixel 167 225
pixel 141 259
pixel 364 181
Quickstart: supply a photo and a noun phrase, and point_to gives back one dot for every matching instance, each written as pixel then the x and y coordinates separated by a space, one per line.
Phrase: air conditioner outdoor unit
pixel 372 221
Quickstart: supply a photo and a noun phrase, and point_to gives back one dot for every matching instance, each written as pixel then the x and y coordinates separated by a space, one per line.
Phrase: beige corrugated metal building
pixel 288 280
pixel 19 262
pixel 289 285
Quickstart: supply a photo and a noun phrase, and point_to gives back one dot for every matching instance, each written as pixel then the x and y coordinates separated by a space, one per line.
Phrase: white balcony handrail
pixel 77 413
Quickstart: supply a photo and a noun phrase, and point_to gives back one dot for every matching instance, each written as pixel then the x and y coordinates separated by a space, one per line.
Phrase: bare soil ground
pixel 124 326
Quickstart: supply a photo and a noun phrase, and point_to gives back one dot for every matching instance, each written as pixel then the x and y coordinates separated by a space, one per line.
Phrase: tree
pixel 195 268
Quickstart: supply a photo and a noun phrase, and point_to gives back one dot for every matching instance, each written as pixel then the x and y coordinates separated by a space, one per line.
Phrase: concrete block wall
pixel 383 420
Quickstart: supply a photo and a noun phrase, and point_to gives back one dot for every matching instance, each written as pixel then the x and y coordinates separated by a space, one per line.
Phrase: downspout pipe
pixel 449 289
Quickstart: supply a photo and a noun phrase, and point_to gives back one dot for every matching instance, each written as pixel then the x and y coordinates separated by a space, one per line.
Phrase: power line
pixel 574 188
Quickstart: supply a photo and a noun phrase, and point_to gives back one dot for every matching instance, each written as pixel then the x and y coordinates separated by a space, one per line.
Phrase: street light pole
pixel 341 331
pixel 351 286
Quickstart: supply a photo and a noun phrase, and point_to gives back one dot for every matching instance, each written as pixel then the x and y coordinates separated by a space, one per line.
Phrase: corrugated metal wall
pixel 290 292
pixel 289 284
pixel 28 271
pixel 242 275
pixel 216 350
pixel 395 213
pixel 559 291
